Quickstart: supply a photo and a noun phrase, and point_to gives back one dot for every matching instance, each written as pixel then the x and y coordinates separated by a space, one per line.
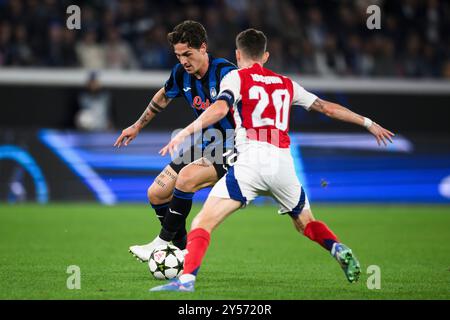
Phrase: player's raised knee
pixel 151 194
pixel 156 195
pixel 186 182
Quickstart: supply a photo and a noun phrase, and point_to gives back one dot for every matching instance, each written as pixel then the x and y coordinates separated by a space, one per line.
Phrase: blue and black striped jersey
pixel 201 93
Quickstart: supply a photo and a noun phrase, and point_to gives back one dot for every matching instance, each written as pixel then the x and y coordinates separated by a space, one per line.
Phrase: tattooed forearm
pixel 156 105
pixel 155 108
pixel 145 118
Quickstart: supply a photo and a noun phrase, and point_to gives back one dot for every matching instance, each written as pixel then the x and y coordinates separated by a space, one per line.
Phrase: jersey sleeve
pixel 172 84
pixel 225 69
pixel 302 97
pixel 230 88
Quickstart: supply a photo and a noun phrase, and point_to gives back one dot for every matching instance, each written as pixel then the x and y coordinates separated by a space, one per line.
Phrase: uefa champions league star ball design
pixel 166 262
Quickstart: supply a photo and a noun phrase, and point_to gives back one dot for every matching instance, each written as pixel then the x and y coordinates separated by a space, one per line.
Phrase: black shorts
pixel 227 158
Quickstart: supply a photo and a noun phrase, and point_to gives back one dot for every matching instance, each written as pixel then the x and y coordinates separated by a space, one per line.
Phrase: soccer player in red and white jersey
pixel 260 101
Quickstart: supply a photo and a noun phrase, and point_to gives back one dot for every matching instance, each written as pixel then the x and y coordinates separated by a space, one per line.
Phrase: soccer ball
pixel 166 262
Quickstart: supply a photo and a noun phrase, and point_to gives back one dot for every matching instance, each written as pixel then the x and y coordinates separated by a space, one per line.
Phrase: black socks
pixel 174 225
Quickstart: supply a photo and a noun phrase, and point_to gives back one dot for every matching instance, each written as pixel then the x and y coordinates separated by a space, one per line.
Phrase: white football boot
pixel 143 253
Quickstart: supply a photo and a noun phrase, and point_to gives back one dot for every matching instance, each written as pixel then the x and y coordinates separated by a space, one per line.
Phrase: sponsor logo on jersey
pixel 199 104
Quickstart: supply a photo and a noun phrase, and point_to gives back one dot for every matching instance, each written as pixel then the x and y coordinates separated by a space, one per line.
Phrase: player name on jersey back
pixel 266 79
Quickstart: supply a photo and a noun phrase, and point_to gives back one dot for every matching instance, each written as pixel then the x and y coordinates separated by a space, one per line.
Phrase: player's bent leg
pixel 300 221
pixel 213 213
pixel 319 232
pixel 159 195
pixel 195 176
pixel 161 190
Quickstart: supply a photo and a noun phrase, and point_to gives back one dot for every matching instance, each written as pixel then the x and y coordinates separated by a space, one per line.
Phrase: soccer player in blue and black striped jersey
pixel 197 79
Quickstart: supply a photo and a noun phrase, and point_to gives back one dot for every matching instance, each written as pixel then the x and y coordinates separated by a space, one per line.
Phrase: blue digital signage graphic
pixel 27 162
pixel 332 167
pixel 353 168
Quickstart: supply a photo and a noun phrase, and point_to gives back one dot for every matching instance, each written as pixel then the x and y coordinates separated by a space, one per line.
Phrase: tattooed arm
pixel 156 105
pixel 339 112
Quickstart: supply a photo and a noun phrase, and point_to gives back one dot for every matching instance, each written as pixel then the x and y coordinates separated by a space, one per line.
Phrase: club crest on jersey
pixel 213 92
pixel 198 103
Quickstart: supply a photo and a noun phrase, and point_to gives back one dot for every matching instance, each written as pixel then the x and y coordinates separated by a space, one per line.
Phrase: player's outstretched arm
pixel 336 111
pixel 213 114
pixel 156 105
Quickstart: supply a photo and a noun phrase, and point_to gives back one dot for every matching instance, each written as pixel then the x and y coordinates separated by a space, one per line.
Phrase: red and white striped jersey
pixel 260 101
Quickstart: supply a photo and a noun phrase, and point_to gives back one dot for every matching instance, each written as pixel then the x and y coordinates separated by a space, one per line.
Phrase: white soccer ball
pixel 166 262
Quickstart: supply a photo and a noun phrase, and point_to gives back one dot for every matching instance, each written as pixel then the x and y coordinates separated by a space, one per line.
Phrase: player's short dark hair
pixel 252 43
pixel 191 32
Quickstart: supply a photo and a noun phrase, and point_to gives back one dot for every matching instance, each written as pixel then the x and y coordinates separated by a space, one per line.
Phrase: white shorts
pixel 263 169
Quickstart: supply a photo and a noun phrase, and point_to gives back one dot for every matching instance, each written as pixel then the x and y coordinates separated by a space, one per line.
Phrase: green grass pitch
pixel 255 254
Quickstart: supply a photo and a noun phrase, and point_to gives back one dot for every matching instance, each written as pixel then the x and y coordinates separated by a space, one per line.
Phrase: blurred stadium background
pixel 398 75
pixel 53 151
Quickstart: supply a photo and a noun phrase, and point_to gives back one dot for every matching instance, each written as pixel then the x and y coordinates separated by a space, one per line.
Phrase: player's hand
pixel 127 136
pixel 381 134
pixel 173 145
